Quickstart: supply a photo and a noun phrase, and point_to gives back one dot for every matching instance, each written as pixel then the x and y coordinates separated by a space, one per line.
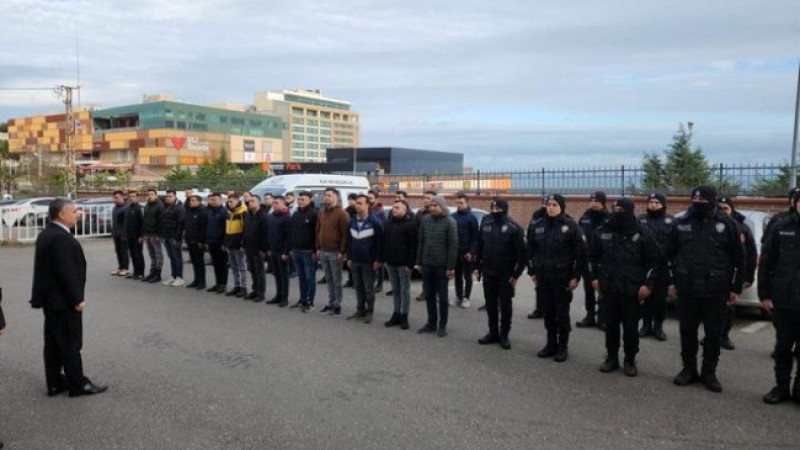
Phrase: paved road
pixel 194 370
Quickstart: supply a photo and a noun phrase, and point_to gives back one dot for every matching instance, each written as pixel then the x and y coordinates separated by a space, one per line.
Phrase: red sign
pixel 178 142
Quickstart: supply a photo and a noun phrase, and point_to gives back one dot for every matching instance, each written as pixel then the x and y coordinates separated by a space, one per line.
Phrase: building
pixel 403 161
pixel 316 122
pixel 43 138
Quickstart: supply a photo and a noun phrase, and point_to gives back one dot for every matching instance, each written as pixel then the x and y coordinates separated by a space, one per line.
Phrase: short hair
pixel 431 192
pixel 233 195
pixel 136 193
pixel 352 196
pixel 247 193
pixel 149 190
pixel 280 197
pixel 214 194
pixel 373 192
pixel 268 195
pixel 171 191
pixel 197 197
pixel 118 192
pixel 463 195
pixel 56 206
pixel 254 196
pixel 334 190
pixel 288 193
pixel 364 196
pixel 305 194
pixel 408 208
pixel 401 192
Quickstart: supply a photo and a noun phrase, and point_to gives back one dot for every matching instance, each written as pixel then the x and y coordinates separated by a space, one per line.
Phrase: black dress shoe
pixel 659 334
pixel 200 286
pixel 630 369
pixel 89 389
pixel 727 344
pixel 193 284
pixel 711 382
pixel 547 352
pixel 274 301
pixel 777 395
pixel 233 292
pixel 561 355
pixel 686 377
pixel 587 322
pixel 505 344
pixel 251 295
pixel 212 289
pixel 536 314
pixel 52 392
pixel 609 365
pixel 489 339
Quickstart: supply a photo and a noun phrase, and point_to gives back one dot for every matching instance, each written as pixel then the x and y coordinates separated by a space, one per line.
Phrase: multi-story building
pixel 44 137
pixel 315 122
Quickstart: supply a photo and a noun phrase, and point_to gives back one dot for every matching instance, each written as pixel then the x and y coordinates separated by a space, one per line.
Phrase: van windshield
pixel 272 190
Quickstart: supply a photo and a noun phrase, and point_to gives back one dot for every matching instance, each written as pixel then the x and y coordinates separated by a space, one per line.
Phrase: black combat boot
pixel 587 322
pixel 630 367
pixel 403 321
pixel 709 377
pixel 550 349
pixel 610 364
pixel 561 352
pixel 688 374
pixel 395 320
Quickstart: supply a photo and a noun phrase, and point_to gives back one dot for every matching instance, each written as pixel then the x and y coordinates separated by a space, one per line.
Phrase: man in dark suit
pixel 2 328
pixel 59 279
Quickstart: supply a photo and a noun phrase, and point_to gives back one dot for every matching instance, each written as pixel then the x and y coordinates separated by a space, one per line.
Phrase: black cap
pixel 728 201
pixel 626 204
pixel 793 192
pixel 660 197
pixel 600 196
pixel 498 202
pixel 706 193
pixel 795 197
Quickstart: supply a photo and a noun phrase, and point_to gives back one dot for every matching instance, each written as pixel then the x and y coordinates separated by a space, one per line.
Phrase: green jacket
pixel 438 242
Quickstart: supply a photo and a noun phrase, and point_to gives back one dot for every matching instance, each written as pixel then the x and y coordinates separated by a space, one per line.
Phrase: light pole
pixel 793 171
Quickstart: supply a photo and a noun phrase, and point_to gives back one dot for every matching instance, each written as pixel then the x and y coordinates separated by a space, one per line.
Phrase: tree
pixel 776 186
pixel 654 173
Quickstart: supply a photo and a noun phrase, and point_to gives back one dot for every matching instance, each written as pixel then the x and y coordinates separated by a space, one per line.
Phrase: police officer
pixel 590 221
pixel 777 217
pixel 624 265
pixel 654 308
pixel 708 258
pixel 556 261
pixel 537 215
pixel 726 205
pixel 779 293
pixel 500 260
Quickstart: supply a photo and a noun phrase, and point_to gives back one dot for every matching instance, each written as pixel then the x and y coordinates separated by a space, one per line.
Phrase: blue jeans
pixel 306 274
pixel 333 275
pixel 236 260
pixel 173 247
pixel 401 288
pixel 434 283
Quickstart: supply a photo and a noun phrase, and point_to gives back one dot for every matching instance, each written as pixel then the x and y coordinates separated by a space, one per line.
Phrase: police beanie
pixel 499 203
pixel 660 197
pixel 793 193
pixel 728 201
pixel 626 204
pixel 600 196
pixel 795 197
pixel 706 193
pixel 560 200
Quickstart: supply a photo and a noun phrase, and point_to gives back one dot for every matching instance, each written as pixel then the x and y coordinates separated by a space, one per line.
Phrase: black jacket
pixel 279 228
pixel 118 213
pixel 59 270
pixel 707 255
pixel 750 250
pixel 779 271
pixel 153 213
pixel 592 220
pixel 215 228
pixel 256 231
pixel 195 225
pixel 134 221
pixel 172 222
pixel 304 229
pixel 624 259
pixel 467 231
pixel 556 249
pixel 400 242
pixel 500 248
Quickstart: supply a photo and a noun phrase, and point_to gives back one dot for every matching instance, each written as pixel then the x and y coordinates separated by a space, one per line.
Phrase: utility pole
pixel 70 178
pixel 793 171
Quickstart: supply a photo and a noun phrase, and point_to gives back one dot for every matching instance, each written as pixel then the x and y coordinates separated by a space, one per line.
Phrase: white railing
pixel 23 223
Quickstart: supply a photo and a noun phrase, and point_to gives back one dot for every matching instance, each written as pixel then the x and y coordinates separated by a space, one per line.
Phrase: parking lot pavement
pixel 187 369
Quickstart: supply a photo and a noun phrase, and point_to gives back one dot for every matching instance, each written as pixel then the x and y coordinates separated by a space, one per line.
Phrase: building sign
pixel 195 144
pixel 178 142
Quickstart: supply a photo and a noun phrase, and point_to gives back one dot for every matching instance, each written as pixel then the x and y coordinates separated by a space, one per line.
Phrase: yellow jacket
pixel 234 223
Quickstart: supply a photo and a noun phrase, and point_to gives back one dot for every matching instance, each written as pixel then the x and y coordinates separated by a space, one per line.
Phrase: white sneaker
pixel 453 302
pixel 124 272
pixel 115 273
pixel 465 304
pixel 177 282
pixel 168 281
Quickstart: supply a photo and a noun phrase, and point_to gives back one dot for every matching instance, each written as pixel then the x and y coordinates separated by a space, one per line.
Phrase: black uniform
pixel 751 256
pixel 536 216
pixel 134 220
pixel 196 223
pixel 255 241
pixel 556 255
pixel 589 222
pixel 118 213
pixel 500 256
pixel 623 257
pixel 778 276
pixel 708 260
pixel 659 225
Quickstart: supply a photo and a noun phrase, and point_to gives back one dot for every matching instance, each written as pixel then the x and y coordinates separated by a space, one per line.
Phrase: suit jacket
pixel 59 270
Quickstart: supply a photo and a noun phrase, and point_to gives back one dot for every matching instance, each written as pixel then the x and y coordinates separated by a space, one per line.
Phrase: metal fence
pixel 750 180
pixel 24 221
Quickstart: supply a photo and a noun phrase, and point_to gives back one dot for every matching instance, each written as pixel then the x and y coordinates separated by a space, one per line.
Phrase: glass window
pixel 311 113
pixel 181 125
pixel 325 115
pixel 312 122
pixel 169 124
pixel 297 111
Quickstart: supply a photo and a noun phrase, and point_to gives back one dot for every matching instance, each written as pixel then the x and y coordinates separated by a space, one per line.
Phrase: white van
pixel 316 183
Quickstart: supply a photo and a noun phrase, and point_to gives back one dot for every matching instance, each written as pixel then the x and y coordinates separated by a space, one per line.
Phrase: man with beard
pixel 589 222
pixel 196 222
pixel 654 308
pixel 556 261
pixel 708 259
pixel 624 262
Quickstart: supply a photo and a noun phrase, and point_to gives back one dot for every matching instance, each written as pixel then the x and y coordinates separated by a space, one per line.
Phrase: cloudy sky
pixel 511 84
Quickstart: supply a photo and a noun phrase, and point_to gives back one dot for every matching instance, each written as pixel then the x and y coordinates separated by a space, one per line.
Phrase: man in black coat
pixel 172 233
pixel 279 224
pixel 654 309
pixel 118 213
pixel 59 280
pixel 500 259
pixel 302 246
pixel 399 256
pixel 195 225
pixel 134 221
pixel 254 241
pixel 590 221
pixel 467 241
pixel 708 261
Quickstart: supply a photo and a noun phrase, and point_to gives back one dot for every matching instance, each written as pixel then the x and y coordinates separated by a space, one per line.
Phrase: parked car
pixel 24 212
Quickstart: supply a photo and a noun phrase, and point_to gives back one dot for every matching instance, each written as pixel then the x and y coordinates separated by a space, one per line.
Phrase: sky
pixel 511 84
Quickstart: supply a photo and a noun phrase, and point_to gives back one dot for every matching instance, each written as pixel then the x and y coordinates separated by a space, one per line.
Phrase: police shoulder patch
pixel 504 228
pixel 636 237
pixel 668 220
pixel 685 227
pixel 720 227
pixel 564 228
pixel 606 236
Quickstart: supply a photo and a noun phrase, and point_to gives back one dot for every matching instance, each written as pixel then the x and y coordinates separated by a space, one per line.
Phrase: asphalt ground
pixel 189 369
